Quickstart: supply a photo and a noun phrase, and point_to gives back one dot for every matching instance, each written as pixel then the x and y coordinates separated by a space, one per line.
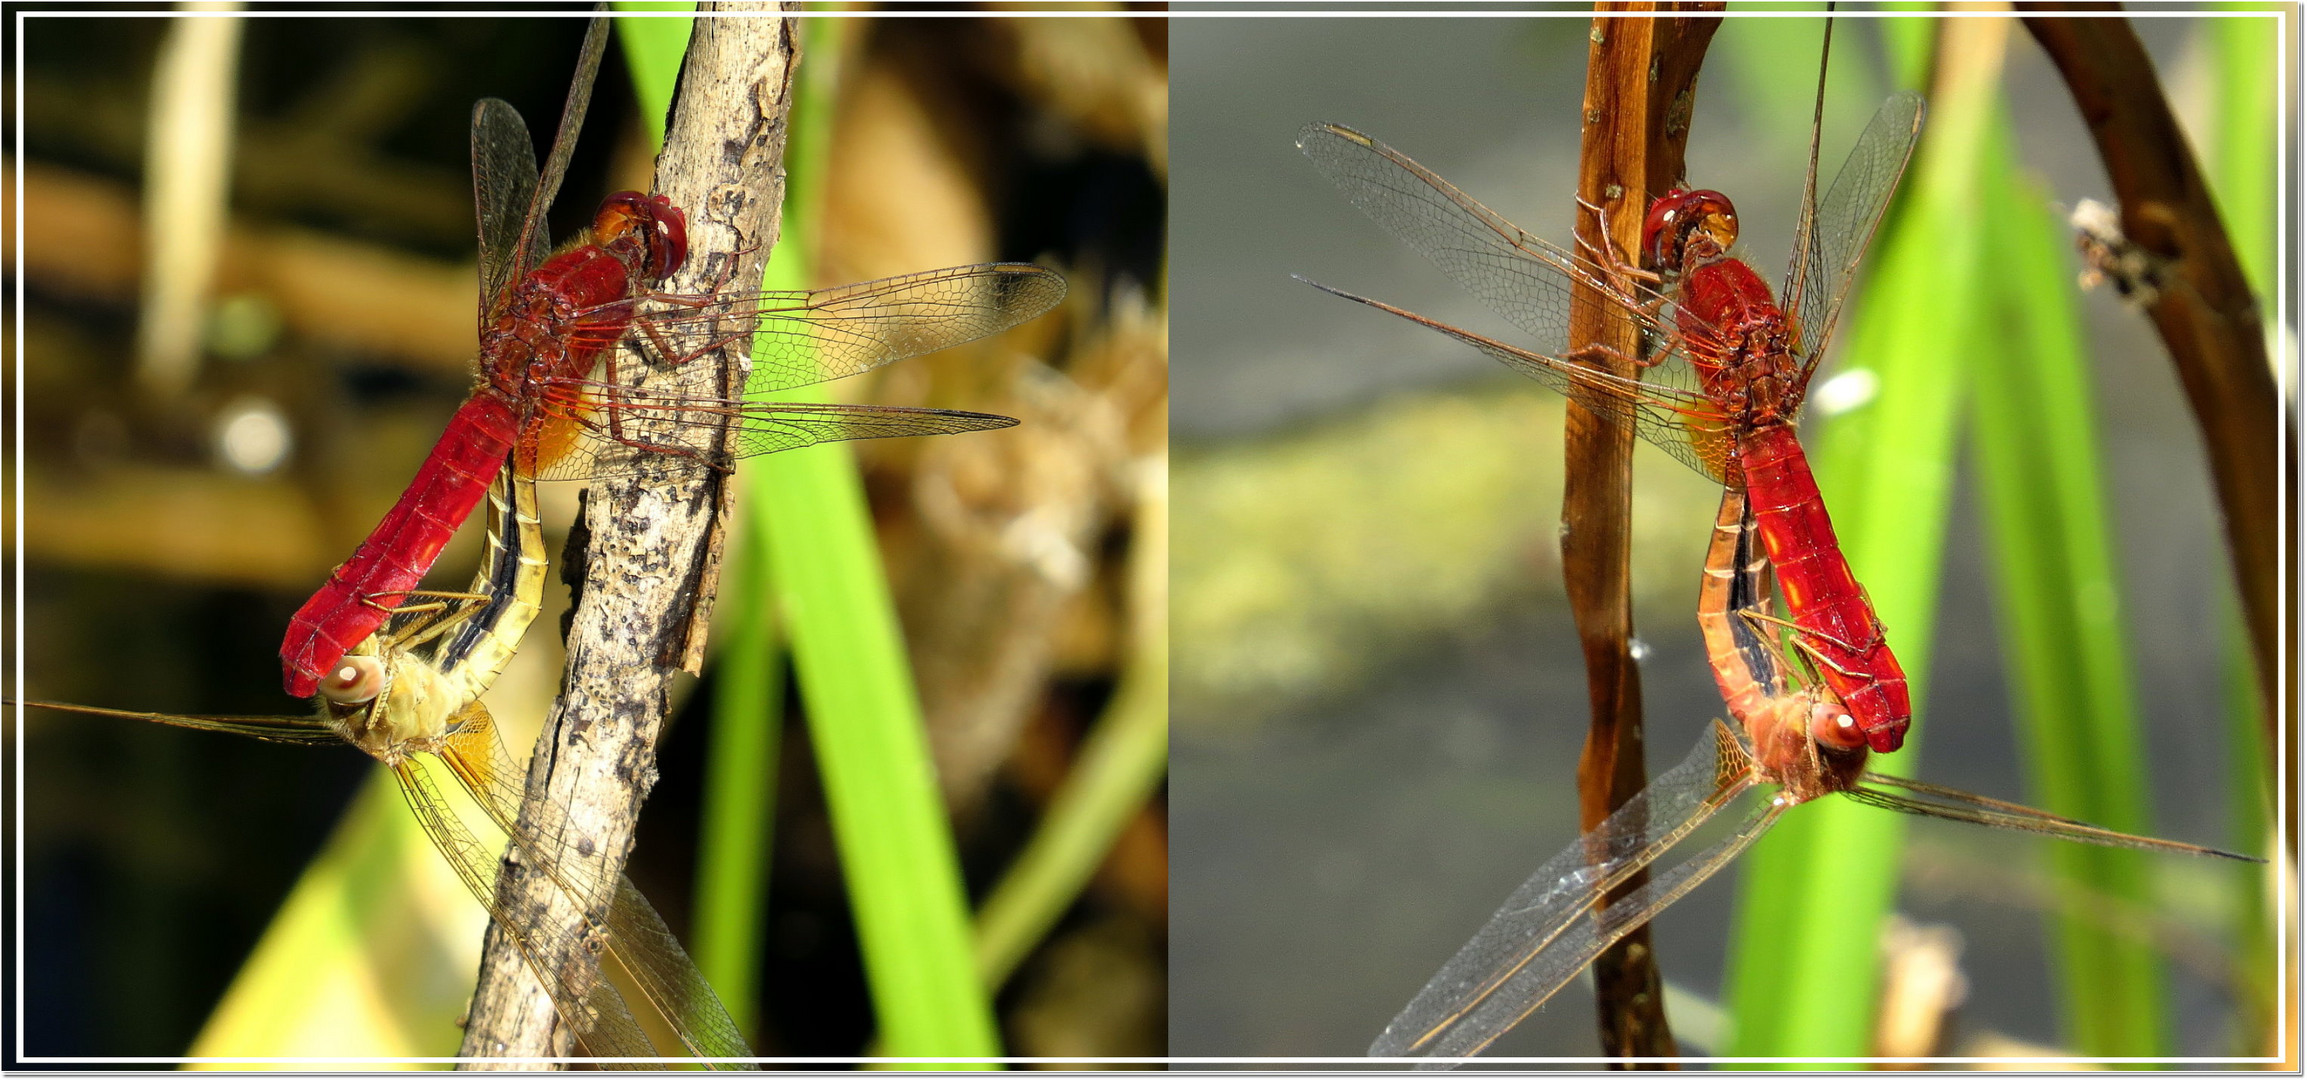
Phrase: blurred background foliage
pixel 168 871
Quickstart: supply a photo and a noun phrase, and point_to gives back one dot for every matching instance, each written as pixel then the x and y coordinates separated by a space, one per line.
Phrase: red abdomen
pixel 1838 626
pixel 362 591
pixel 552 327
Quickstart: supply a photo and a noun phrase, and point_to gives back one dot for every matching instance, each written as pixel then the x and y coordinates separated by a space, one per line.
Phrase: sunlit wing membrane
pixel 1956 805
pixel 798 339
pixel 1548 931
pixel 587 1002
pixel 1523 278
pixel 638 939
pixel 610 440
pixel 1819 278
pixel 1684 423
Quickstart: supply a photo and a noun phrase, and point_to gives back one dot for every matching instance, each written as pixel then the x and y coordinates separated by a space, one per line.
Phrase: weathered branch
pixel 1639 78
pixel 2206 315
pixel 653 549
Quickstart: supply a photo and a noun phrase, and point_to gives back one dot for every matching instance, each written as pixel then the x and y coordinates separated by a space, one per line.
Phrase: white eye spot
pixel 1845 391
pixel 252 436
pixel 360 679
pixel 1845 722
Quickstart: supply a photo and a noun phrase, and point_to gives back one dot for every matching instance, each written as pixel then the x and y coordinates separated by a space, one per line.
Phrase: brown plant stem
pixel 2209 322
pixel 1636 119
pixel 652 549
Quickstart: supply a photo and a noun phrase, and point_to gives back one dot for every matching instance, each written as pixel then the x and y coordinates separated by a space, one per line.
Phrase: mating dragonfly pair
pixel 398 673
pixel 1719 386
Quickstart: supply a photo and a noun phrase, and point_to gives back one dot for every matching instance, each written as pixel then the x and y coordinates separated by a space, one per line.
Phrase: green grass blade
pixel 888 820
pixel 865 722
pixel 653 51
pixel 1814 890
pixel 2059 600
pixel 737 826
pixel 2240 163
pixel 2242 133
pixel 1120 765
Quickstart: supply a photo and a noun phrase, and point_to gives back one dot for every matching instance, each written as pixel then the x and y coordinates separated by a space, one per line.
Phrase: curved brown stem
pixel 1639 78
pixel 2209 322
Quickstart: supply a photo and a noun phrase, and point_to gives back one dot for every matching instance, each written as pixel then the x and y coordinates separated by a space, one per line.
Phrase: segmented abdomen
pixel 1823 599
pixel 362 591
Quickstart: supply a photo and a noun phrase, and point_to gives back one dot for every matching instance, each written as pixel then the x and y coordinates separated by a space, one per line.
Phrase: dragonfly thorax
pixel 1739 342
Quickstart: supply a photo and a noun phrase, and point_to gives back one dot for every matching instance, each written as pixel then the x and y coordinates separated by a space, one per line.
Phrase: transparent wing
pixel 1526 280
pixel 638 940
pixel 586 1000
pixel 797 338
pixel 802 338
pixel 1548 932
pixel 607 441
pixel 1529 282
pixel 1820 273
pixel 504 185
pixel 533 242
pixel 1682 422
pixel 1954 804
pixel 302 730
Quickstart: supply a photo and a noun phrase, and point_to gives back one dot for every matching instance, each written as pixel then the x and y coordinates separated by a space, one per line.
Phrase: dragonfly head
pixel 385 701
pixel 1685 227
pixel 646 232
pixel 1833 727
pixel 355 681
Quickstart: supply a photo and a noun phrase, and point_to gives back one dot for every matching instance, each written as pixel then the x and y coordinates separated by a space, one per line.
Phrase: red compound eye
pixel 1685 224
pixel 648 231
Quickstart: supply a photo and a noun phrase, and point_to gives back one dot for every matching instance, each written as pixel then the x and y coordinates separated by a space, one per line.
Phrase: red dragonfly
pixel 548 321
pixel 413 690
pixel 1782 735
pixel 1725 368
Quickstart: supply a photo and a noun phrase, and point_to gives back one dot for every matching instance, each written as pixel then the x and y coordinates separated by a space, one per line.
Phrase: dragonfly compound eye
pixel 646 231
pixel 356 680
pixel 1833 726
pixel 1683 226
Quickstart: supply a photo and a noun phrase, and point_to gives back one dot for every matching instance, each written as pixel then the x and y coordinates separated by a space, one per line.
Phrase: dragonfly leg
pixel 1804 636
pixel 1608 258
pixel 673 357
pixel 434 619
pixel 435 601
pixel 615 431
pixel 1804 674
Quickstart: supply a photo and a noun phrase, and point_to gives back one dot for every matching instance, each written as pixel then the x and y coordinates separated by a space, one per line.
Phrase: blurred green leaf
pixel 2059 599
pixel 904 878
pixel 1815 889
